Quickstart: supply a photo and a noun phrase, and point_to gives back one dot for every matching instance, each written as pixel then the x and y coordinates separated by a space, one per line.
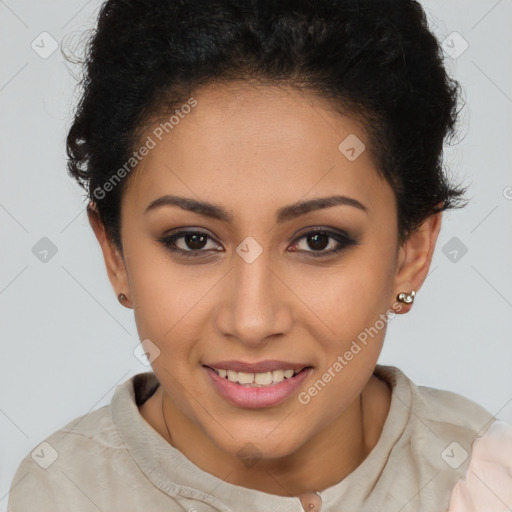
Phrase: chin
pixel 261 445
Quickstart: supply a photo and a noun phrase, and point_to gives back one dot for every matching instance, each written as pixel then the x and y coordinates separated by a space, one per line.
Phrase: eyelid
pixel 323 229
pixel 340 236
pixel 174 235
pixel 344 239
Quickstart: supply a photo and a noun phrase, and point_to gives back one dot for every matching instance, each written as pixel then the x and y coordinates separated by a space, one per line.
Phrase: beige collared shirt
pixel 112 460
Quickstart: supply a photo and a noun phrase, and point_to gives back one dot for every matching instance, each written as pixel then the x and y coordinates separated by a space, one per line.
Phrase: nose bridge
pixel 253 309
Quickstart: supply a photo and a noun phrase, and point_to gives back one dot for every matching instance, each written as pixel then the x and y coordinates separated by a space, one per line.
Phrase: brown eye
pixel 195 241
pixel 316 242
pixel 189 243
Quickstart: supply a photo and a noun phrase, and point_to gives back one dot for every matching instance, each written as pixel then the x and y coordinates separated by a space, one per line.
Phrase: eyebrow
pixel 283 214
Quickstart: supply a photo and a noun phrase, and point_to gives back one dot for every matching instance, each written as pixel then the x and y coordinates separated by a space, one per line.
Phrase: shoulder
pixel 449 407
pixel 441 425
pixel 86 448
pixel 92 431
pixel 433 432
pixel 450 422
pixel 441 409
pixel 454 419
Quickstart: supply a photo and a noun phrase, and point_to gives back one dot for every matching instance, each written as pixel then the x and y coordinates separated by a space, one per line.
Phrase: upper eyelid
pixel 316 229
pixel 311 229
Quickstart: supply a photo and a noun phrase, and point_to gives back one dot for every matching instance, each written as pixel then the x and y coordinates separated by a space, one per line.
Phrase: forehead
pixel 256 143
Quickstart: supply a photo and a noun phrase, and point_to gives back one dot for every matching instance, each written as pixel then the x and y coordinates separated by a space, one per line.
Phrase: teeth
pixel 263 379
pixel 257 379
pixel 245 378
pixel 278 375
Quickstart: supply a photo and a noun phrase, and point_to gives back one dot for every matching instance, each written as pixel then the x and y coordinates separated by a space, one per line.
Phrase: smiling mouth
pixel 257 380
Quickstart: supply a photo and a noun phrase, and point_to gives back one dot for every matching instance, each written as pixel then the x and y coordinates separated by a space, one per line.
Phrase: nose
pixel 255 305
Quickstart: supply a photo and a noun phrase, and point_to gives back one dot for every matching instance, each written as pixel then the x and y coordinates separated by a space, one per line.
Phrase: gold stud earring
pixel 121 297
pixel 406 298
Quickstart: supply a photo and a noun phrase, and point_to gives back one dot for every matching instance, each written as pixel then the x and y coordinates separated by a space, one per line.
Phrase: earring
pixel 406 298
pixel 121 297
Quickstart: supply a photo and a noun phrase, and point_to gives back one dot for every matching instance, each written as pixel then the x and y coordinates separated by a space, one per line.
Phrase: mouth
pixel 257 380
pixel 257 389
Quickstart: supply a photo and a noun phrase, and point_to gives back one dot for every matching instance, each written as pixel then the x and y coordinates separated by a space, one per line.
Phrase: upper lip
pixel 260 367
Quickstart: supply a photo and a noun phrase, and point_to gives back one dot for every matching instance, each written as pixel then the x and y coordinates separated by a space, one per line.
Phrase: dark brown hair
pixel 375 59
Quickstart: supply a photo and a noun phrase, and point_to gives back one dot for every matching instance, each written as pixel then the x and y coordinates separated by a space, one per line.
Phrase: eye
pixel 195 243
pixel 321 239
pixel 189 243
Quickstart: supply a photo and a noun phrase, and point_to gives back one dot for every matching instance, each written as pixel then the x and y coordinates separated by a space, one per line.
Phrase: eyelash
pixel 342 239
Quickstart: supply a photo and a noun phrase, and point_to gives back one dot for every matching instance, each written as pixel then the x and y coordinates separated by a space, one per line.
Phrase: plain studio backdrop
pixel 67 342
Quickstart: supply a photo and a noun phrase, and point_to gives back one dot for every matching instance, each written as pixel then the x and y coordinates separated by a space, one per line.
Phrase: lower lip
pixel 254 397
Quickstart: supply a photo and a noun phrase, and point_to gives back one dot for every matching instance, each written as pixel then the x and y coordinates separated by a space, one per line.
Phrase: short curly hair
pixel 373 59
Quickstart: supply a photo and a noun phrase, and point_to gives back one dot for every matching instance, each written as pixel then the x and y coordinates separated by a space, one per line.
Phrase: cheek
pixel 355 305
pixel 161 293
pixel 352 295
pixel 168 306
pixel 172 305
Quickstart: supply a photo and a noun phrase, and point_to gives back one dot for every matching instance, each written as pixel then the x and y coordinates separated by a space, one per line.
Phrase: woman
pixel 265 182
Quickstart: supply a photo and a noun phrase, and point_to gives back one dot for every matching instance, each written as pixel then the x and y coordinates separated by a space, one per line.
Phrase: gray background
pixel 67 342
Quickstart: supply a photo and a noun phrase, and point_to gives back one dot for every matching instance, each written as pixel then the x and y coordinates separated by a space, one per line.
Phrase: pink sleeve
pixel 487 486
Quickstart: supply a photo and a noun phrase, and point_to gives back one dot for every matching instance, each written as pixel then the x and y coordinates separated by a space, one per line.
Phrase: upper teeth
pixel 257 379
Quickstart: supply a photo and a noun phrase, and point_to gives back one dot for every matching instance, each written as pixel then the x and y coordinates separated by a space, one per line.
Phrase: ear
pixel 114 260
pixel 415 257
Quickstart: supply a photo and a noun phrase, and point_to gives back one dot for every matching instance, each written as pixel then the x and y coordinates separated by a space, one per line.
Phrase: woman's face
pixel 264 284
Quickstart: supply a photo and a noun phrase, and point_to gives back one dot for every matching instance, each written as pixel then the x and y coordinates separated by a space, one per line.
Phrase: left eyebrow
pixel 283 214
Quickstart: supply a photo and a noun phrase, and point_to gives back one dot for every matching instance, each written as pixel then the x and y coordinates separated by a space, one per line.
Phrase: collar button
pixel 311 502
